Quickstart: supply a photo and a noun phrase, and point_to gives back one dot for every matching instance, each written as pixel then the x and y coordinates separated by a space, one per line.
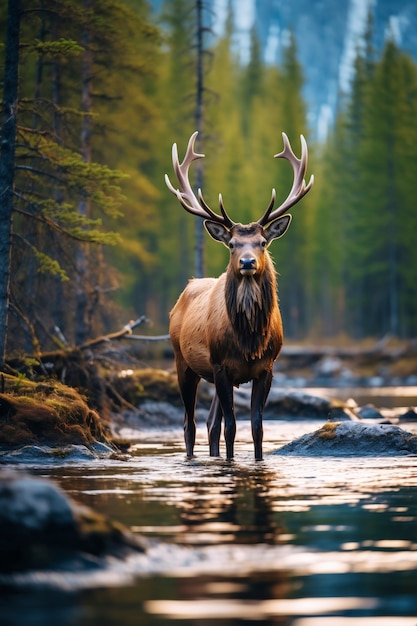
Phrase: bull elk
pixel 228 330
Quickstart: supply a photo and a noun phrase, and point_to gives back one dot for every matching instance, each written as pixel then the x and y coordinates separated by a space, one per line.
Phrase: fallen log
pixel 380 348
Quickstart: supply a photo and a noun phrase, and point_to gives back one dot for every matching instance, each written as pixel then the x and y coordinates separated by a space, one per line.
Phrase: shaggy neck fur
pixel 249 302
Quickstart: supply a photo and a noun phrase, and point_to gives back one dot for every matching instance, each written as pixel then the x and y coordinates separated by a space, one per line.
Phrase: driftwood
pixel 380 348
pixel 125 333
pixel 46 358
pixel 82 367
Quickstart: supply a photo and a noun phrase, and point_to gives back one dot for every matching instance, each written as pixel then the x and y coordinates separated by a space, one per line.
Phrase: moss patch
pixel 138 385
pixel 328 430
pixel 353 439
pixel 45 413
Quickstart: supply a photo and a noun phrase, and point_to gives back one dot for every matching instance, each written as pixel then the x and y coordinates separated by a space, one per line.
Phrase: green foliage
pixel 49 265
pixel 370 175
pixel 64 47
pixel 348 262
pixel 69 192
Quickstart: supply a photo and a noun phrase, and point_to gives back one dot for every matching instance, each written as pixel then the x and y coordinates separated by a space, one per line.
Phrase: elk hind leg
pixel 224 390
pixel 188 383
pixel 214 426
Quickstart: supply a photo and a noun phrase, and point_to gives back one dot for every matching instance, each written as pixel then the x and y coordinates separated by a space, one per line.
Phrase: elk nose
pixel 248 264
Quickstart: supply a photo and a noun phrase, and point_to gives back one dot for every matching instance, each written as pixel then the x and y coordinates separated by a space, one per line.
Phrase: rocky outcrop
pixel 353 439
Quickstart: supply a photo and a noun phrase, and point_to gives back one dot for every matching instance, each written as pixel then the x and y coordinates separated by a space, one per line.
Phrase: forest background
pixel 96 238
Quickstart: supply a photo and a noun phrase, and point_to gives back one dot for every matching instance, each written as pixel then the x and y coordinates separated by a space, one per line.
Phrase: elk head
pixel 247 243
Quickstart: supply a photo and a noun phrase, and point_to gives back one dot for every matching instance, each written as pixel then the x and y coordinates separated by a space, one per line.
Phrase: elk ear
pixel 277 228
pixel 218 232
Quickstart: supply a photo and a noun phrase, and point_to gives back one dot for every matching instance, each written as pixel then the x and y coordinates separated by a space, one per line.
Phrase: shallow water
pixel 292 541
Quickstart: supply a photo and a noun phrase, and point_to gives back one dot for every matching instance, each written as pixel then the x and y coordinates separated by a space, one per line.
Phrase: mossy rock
pixel 353 439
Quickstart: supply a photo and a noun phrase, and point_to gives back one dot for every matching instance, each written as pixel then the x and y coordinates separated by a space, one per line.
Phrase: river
pixel 289 541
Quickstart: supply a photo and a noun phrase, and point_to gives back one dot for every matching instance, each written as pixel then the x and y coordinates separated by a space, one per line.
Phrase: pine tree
pixel 7 163
pixel 53 171
pixel 327 237
pixel 375 143
pixel 225 161
pixel 350 177
pixel 291 250
pixel 389 151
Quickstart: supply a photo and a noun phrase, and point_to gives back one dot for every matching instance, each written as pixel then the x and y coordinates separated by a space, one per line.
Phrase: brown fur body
pixel 209 328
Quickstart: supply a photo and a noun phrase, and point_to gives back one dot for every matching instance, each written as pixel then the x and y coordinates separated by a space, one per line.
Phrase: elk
pixel 228 330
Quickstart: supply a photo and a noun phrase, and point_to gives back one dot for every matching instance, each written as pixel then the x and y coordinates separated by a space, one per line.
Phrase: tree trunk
pixel 7 158
pixel 199 229
pixel 81 257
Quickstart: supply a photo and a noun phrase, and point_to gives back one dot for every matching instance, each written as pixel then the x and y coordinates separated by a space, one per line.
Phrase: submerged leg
pixel 224 389
pixel 214 421
pixel 260 391
pixel 188 383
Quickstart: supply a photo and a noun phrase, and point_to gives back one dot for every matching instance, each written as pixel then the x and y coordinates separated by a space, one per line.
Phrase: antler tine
pixel 227 221
pixel 185 193
pixel 299 187
pixel 224 218
pixel 264 219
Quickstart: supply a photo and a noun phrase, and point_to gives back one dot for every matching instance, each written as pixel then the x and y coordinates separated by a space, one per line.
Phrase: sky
pixel 357 16
pixel 244 19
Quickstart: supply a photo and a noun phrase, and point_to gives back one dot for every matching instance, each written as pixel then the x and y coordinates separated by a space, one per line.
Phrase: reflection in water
pixel 238 508
pixel 289 541
pixel 255 611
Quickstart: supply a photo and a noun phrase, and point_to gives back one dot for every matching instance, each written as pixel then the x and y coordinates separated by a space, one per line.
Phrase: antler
pixel 185 193
pixel 299 187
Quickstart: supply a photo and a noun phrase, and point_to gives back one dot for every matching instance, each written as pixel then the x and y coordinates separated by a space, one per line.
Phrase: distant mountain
pixel 327 32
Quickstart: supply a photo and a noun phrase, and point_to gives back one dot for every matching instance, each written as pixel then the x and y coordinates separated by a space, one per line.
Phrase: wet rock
pixel 298 403
pixel 161 413
pixel 150 415
pixel 328 367
pixel 353 439
pixel 37 454
pixel 369 411
pixel 408 416
pixel 41 528
pixel 376 381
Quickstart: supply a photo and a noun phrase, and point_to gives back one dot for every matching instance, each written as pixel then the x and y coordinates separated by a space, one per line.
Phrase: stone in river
pixel 42 528
pixel 353 439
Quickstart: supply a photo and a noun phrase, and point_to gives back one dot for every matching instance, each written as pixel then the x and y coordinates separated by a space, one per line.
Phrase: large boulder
pixel 353 439
pixel 41 528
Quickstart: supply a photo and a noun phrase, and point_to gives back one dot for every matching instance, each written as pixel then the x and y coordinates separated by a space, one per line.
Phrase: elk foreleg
pixel 214 422
pixel 188 383
pixel 260 391
pixel 224 389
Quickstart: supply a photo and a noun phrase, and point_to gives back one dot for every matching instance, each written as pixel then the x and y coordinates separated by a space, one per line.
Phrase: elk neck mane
pixel 250 302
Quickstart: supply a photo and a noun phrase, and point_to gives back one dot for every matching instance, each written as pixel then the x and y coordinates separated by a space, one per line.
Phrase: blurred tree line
pixel 95 236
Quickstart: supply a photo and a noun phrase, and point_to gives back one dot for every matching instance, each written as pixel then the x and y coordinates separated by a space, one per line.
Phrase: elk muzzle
pixel 247 266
